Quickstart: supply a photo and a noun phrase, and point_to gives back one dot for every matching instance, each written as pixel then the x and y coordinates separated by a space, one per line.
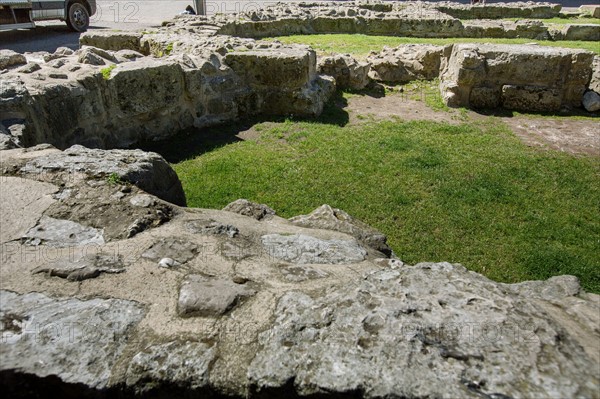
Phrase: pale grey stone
pixel 251 209
pixel 430 330
pixel 89 266
pixel 142 200
pixel 77 341
pixel 62 233
pixel 9 58
pixel 303 249
pixel 591 101
pixel 347 71
pixel 326 217
pixel 201 226
pixel 299 273
pixel 185 364
pixel 207 296
pixel 179 250
pixel 147 170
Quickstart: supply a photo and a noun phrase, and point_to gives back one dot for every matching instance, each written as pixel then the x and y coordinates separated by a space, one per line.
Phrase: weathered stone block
pixel 348 72
pixel 530 98
pixel 405 63
pixel 530 77
pixel 286 68
pixel 205 296
pixel 9 58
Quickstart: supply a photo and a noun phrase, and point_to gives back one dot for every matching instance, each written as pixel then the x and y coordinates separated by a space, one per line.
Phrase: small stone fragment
pixel 210 296
pixel 248 208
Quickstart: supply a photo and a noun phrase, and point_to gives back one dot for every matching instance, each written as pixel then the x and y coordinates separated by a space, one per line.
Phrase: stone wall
pixel 100 297
pixel 499 10
pixel 527 78
pixel 120 101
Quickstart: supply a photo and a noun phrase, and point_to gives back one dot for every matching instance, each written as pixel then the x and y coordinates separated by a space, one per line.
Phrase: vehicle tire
pixel 78 18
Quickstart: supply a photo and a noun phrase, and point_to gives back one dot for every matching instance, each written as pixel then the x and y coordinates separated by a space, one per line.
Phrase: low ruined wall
pixel 527 78
pixel 119 102
pixel 499 10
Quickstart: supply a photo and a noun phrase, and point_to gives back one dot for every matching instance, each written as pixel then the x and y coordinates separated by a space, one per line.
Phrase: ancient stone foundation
pixel 123 88
pixel 110 287
pixel 109 291
pixel 526 78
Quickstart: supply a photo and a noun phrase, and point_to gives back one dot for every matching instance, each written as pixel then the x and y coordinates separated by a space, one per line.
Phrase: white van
pixel 21 14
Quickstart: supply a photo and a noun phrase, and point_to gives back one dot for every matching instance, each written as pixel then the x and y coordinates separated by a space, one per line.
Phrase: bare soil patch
pixel 575 136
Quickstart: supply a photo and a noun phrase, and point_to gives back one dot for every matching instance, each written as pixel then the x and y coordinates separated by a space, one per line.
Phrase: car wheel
pixel 78 18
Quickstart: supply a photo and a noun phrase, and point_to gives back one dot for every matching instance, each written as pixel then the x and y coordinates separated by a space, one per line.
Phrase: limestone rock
pixel 77 341
pixel 200 226
pixel 142 200
pixel 328 218
pixel 595 80
pixel 432 330
pixel 30 67
pixel 591 101
pixel 149 171
pixel 60 52
pixel 292 71
pixel 112 40
pixel 95 56
pixel 591 10
pixel 405 63
pixel 205 296
pixel 486 74
pixel 7 141
pixel 348 72
pixel 180 250
pixel 9 58
pixel 89 266
pixel 530 98
pixel 251 209
pixel 185 364
pixel 299 273
pixel 303 249
pixel 62 233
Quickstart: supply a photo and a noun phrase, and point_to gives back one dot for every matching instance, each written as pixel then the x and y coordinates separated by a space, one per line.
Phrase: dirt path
pixel 575 136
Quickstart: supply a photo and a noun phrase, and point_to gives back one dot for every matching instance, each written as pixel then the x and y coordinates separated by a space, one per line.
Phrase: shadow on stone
pixel 193 142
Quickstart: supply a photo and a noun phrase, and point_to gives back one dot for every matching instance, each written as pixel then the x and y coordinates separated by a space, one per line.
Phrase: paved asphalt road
pixel 132 15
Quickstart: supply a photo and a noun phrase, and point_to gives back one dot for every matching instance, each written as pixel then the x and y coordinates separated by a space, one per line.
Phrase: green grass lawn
pixel 471 194
pixel 360 45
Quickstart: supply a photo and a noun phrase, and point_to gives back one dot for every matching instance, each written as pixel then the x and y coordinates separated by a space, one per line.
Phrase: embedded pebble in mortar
pixel 168 263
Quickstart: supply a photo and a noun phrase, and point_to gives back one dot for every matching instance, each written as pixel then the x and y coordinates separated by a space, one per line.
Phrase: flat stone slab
pixel 299 273
pixel 77 341
pixel 302 249
pixel 328 218
pixel 211 227
pixel 183 363
pixel 206 296
pixel 147 170
pixel 430 330
pixel 22 203
pixel 251 209
pixel 89 266
pixel 62 233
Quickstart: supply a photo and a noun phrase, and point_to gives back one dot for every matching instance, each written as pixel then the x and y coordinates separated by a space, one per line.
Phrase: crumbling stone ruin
pixel 110 286
pixel 123 88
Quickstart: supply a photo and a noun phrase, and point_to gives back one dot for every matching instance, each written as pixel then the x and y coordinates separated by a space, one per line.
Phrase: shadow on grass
pixel 506 113
pixel 193 142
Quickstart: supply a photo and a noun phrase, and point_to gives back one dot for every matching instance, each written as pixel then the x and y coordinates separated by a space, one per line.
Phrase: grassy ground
pixel 471 193
pixel 360 45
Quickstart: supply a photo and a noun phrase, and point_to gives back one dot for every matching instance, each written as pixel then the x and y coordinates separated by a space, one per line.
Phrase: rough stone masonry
pixel 110 287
